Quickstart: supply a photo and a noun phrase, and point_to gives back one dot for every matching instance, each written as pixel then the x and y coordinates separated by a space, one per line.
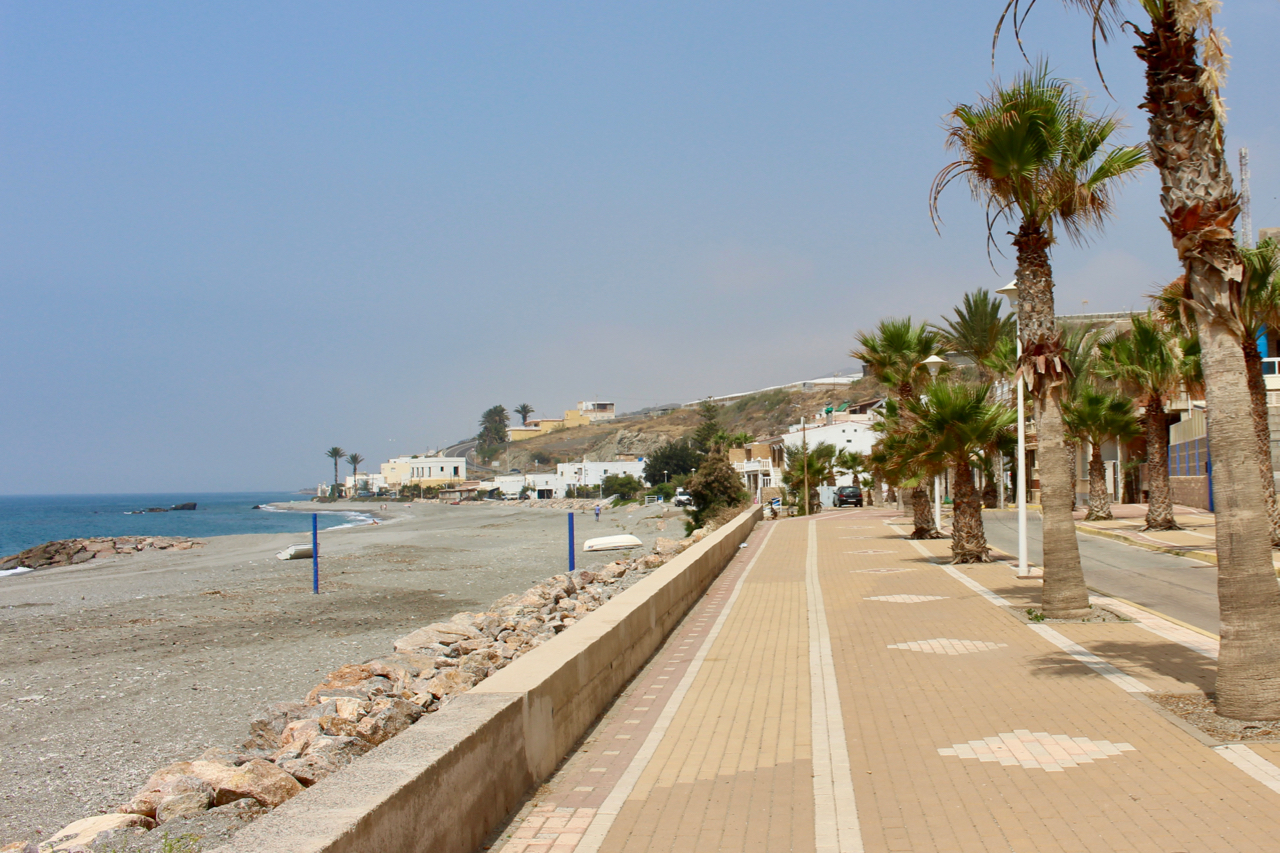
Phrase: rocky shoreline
pixel 358 706
pixel 72 552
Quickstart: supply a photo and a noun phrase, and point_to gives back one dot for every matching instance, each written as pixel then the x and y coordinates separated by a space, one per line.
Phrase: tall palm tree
pixel 1152 364
pixel 1034 154
pixel 336 454
pixel 1185 67
pixel 524 410
pixel 978 328
pixel 895 355
pixel 1259 311
pixel 812 465
pixel 952 424
pixel 1097 416
pixel 355 459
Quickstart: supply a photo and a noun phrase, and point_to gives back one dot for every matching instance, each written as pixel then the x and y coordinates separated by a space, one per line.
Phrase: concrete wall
pixel 444 784
pixel 1190 491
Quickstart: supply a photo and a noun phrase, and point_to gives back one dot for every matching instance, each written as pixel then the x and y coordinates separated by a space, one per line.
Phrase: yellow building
pixel 532 429
pixel 424 470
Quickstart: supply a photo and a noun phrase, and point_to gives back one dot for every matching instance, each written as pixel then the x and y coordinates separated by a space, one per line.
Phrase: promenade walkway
pixel 839 688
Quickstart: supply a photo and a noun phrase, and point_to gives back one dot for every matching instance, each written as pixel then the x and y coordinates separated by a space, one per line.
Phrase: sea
pixel 26 521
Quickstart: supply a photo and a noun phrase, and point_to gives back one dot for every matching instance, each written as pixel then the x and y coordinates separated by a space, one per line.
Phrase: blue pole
pixel 1208 470
pixel 571 554
pixel 315 553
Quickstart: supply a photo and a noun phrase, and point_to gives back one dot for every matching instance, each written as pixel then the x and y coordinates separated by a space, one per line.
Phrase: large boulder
pixel 264 732
pixel 388 718
pixel 261 780
pixel 182 805
pixel 324 756
pixel 85 832
pixel 440 633
pixel 449 682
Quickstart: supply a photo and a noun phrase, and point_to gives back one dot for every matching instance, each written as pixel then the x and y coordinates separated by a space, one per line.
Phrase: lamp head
pixel 934 363
pixel 1010 292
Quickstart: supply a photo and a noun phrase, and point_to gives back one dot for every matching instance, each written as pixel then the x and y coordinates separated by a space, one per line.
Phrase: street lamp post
pixel 1010 291
pixel 934 364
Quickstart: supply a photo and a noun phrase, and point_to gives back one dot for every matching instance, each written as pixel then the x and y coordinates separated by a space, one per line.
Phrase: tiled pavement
pixel 814 701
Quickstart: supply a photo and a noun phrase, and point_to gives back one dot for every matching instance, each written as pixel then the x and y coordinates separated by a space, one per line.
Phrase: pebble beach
pixel 120 665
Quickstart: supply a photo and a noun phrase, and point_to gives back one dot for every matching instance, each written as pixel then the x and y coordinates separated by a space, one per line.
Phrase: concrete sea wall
pixel 446 782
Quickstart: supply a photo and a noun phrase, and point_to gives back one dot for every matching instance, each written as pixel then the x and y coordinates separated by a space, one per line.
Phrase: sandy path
pixel 113 669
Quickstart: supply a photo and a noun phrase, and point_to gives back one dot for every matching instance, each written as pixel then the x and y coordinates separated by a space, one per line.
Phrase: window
pixel 455 470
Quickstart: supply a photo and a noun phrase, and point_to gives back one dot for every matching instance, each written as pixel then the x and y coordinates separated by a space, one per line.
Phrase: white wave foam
pixel 21 570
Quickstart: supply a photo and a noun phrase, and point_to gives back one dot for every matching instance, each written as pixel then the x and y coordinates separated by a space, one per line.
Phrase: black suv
pixel 849 496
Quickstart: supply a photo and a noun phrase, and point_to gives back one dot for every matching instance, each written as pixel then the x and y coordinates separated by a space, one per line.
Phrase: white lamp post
pixel 934 364
pixel 1010 291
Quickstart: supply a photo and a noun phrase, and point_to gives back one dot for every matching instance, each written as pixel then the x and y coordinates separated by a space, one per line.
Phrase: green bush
pixel 625 486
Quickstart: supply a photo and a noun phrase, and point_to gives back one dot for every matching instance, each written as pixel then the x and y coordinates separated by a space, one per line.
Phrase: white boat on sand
pixel 622 542
pixel 295 552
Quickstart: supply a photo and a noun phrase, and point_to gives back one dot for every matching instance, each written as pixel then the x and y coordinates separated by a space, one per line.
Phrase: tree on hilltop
pixel 524 410
pixel 493 427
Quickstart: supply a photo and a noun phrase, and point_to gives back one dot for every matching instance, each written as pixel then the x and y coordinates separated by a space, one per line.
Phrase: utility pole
pixel 1245 238
pixel 804 443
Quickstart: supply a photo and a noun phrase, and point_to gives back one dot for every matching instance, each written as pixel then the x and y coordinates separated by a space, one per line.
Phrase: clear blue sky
pixel 236 235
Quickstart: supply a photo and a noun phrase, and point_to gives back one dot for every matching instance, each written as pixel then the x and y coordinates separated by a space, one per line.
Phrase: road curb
pixel 1203 556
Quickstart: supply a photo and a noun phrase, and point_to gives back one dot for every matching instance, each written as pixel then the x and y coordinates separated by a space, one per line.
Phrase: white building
pixel 424 470
pixel 596 410
pixel 364 482
pixel 853 435
pixel 594 473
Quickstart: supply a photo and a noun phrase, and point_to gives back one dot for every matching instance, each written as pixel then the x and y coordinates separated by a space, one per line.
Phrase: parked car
pixel 849 496
pixel 683 498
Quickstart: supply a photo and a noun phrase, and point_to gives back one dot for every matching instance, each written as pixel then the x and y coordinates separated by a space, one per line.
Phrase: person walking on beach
pixel 597 512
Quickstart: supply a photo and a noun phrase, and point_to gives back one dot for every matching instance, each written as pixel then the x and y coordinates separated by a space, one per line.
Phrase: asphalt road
pixel 1185 589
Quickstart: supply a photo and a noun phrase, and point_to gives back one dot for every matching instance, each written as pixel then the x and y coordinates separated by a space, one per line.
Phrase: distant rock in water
pixel 182 507
pixel 70 552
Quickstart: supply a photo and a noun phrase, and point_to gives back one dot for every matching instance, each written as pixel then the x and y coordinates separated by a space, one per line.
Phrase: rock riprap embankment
pixel 71 552
pixel 293 745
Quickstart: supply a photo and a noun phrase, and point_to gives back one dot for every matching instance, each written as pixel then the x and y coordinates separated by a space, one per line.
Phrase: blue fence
pixel 1189 459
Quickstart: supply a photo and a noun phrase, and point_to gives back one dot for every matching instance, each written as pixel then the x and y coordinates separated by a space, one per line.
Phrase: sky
pixel 234 235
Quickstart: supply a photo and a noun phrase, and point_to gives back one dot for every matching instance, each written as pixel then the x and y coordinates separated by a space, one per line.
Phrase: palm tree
pixel 812 465
pixel 1151 365
pixel 1185 67
pixel 895 354
pixel 1097 416
pixel 355 459
pixel 978 329
pixel 524 410
pixel 336 454
pixel 951 424
pixel 1034 154
pixel 1259 311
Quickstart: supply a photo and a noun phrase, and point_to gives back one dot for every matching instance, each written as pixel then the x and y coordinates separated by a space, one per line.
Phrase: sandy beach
pixel 114 668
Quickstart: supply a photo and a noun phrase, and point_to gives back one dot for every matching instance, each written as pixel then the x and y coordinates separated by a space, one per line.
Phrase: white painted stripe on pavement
pixel 1252 763
pixel 981 590
pixel 835 811
pixel 1127 683
pixel 608 811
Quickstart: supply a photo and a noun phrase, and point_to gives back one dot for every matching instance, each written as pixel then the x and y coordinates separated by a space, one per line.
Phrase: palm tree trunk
pixel 1187 145
pixel 1248 683
pixel 968 537
pixel 1064 595
pixel 1262 432
pixel 1159 495
pixel 922 514
pixel 869 499
pixel 892 495
pixel 1099 500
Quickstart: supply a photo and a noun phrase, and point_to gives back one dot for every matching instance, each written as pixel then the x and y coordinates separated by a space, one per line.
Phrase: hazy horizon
pixel 239 235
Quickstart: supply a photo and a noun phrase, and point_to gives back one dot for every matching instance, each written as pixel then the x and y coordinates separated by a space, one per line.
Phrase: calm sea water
pixel 31 520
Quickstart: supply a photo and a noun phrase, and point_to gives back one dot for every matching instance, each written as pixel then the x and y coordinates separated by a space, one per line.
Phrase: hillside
pixel 762 415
